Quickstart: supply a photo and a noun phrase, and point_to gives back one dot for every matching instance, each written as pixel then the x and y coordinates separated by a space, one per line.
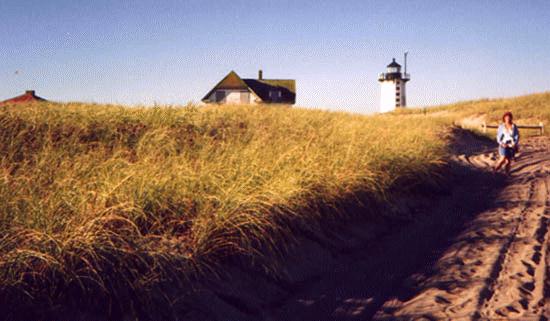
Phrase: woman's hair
pixel 508 113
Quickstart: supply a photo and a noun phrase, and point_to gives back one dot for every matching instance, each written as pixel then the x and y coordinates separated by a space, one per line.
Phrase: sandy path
pixel 482 253
pixel 498 267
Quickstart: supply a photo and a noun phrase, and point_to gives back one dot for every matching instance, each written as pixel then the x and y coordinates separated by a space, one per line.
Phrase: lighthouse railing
pixel 405 76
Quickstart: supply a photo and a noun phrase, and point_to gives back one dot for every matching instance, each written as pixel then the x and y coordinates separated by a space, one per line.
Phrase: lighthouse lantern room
pixel 393 94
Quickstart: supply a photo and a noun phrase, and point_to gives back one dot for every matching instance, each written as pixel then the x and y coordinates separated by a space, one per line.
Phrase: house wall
pixel 233 97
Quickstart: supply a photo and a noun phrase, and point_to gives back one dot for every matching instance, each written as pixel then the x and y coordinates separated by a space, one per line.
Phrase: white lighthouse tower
pixel 393 93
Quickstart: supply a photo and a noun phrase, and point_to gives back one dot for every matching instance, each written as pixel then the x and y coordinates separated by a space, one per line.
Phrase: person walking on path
pixel 507 139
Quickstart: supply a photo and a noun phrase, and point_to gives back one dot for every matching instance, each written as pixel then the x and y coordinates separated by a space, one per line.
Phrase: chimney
pixel 260 75
pixel 30 93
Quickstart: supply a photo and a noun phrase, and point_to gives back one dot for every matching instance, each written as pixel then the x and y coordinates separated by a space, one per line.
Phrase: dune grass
pixel 527 110
pixel 115 208
pixel 108 206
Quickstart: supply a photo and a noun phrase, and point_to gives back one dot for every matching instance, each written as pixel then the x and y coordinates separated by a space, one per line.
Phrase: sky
pixel 174 52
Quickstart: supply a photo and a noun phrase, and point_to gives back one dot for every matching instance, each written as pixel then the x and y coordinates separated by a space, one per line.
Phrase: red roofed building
pixel 28 97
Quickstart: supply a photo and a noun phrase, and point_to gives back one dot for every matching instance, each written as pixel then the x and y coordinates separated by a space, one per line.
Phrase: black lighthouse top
pixel 394 64
pixel 393 72
pixel 393 67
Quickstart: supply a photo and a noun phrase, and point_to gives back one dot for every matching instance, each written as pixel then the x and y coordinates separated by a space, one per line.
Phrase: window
pixel 220 95
pixel 275 95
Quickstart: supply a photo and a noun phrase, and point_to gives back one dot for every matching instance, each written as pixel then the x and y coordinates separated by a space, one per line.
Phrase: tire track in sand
pixel 498 268
pixel 518 289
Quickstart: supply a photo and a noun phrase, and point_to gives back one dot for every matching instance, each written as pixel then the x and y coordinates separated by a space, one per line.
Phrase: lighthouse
pixel 392 87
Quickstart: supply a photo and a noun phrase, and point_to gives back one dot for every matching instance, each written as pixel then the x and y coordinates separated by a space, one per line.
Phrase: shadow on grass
pixel 366 251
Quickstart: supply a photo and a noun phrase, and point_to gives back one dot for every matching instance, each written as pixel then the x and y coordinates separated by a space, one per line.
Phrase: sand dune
pixel 498 267
pixel 482 253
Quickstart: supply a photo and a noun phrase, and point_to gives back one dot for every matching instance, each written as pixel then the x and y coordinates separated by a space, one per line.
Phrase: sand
pixel 476 250
pixel 481 253
pixel 498 267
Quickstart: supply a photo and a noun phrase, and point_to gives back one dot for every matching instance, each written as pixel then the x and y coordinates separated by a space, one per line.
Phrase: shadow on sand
pixel 353 284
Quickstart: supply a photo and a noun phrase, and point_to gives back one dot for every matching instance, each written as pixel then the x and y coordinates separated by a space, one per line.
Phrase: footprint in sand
pixel 529 286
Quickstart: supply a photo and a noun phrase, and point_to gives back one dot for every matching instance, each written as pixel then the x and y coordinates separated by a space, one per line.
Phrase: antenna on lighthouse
pixel 406 53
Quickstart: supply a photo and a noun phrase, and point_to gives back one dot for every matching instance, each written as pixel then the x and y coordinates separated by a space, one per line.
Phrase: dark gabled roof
pixel 27 97
pixel 394 64
pixel 264 86
pixel 260 87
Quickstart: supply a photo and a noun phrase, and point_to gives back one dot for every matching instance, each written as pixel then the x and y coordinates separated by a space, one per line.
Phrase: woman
pixel 508 139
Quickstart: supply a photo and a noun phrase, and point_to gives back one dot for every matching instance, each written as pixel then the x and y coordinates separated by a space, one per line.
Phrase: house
pixel 28 97
pixel 233 89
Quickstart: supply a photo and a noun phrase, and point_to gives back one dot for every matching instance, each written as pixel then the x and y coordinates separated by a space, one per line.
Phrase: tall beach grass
pixel 110 206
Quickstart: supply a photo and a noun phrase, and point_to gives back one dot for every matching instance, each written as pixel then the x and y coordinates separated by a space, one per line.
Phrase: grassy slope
pixel 106 203
pixel 527 110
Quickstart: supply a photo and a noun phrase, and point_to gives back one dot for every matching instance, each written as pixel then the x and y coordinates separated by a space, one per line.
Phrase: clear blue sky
pixel 135 52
